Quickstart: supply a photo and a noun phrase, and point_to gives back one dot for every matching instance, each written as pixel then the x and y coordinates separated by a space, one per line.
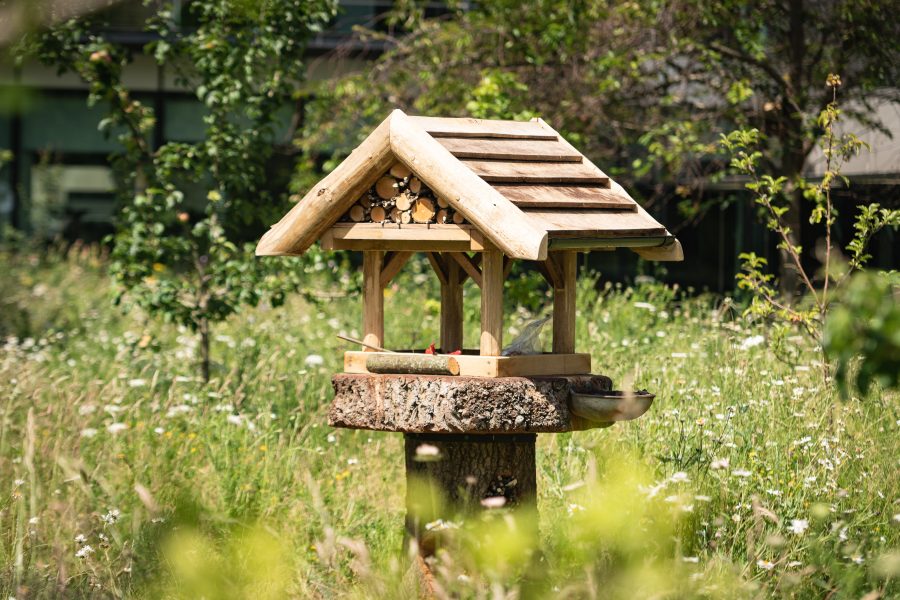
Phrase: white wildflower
pixel 440 525
pixel 115 428
pixel 719 463
pixel 88 432
pixel 798 526
pixel 427 453
pixel 679 477
pixel 773 492
pixel 178 409
pixel 111 517
pixel 86 409
pixel 352 461
pixel 80 539
pixel 494 502
pixel 751 342
pixel 896 518
pixel 765 565
pixel 158 430
pixel 235 420
pixel 314 360
pixel 331 439
pixel 33 521
pixel 84 551
pixel 741 473
pixel 18 483
pixel 572 508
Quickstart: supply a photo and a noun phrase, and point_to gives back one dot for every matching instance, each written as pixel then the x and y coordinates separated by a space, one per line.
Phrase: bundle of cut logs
pixel 401 197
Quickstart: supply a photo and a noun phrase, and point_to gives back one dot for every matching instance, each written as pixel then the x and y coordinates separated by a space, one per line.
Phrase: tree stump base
pixel 453 404
pixel 470 441
pixel 452 476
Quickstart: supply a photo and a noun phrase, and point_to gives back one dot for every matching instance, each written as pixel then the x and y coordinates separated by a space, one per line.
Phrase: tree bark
pixel 204 348
pixel 449 476
pixel 794 154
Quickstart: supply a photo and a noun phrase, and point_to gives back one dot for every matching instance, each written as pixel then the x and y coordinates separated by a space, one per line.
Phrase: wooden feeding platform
pixel 472 196
pixel 467 364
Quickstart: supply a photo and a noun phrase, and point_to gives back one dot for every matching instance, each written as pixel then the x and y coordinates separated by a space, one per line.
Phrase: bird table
pixel 473 196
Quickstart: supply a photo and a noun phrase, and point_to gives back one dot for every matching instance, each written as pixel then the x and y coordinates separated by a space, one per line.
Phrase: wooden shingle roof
pixel 518 183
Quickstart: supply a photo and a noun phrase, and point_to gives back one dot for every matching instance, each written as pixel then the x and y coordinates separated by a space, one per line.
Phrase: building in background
pixel 59 182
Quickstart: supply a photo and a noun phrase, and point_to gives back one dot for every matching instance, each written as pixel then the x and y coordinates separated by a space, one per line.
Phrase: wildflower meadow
pixel 125 476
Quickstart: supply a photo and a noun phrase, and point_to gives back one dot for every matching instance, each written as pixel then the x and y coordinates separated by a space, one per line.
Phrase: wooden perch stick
pixel 347 338
pixel 417 364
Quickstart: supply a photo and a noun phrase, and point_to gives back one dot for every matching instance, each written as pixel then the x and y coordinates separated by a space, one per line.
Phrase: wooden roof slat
pixel 596 223
pixel 502 171
pixel 510 149
pixel 566 196
pixel 481 128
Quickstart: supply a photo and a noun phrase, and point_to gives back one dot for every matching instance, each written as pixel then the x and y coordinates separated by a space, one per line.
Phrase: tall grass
pixel 126 477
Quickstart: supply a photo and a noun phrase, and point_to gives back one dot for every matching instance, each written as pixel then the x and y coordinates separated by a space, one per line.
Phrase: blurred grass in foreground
pixel 126 477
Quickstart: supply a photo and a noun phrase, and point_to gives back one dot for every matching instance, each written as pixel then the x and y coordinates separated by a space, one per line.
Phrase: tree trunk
pixel 453 476
pixel 794 153
pixel 204 349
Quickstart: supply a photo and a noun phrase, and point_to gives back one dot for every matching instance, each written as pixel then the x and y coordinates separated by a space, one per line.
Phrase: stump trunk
pixel 450 475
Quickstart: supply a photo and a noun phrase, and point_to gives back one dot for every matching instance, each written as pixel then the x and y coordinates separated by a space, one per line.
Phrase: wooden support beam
pixel 550 271
pixel 393 262
pixel 439 264
pixel 507 267
pixel 564 302
pixel 373 299
pixel 491 303
pixel 452 308
pixel 469 265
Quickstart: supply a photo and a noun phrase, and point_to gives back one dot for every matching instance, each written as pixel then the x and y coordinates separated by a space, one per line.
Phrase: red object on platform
pixel 430 349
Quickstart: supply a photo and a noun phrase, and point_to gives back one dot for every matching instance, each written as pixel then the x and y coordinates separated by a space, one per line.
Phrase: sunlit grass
pixel 748 477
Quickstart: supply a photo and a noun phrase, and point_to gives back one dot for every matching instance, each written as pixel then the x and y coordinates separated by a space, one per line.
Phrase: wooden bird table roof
pixel 517 186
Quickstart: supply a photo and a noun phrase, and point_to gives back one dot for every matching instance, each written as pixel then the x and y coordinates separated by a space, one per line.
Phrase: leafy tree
pixel 178 250
pixel 644 87
pixel 813 312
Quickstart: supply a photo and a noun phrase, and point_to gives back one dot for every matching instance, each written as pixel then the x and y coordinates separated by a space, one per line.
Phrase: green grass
pixel 240 489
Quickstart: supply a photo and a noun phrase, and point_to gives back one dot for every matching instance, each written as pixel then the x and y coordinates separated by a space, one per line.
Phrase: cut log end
pixel 403 201
pixel 357 214
pixel 423 210
pixel 386 187
pixel 378 214
pixel 400 171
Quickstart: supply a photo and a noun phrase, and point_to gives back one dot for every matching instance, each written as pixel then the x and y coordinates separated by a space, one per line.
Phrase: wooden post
pixel 564 303
pixel 452 309
pixel 373 299
pixel 491 303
